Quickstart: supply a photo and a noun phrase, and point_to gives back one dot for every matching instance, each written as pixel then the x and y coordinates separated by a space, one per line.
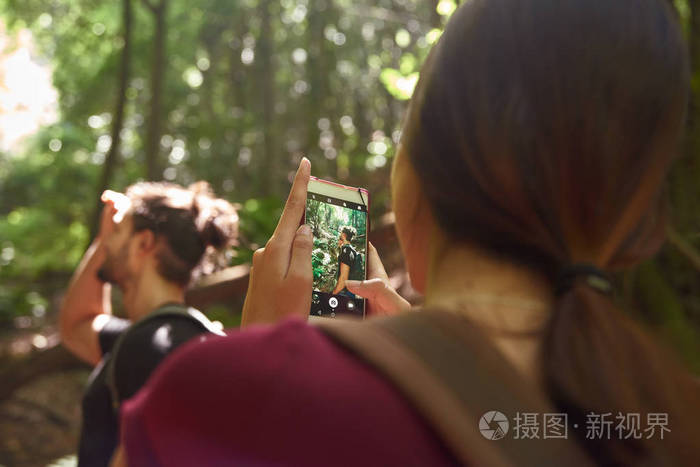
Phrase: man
pixel 346 261
pixel 151 242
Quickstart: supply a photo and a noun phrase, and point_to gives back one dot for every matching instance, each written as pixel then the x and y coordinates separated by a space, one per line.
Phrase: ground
pixel 40 423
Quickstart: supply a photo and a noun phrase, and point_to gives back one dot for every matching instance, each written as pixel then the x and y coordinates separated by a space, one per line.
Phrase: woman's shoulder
pixel 286 390
pixel 290 360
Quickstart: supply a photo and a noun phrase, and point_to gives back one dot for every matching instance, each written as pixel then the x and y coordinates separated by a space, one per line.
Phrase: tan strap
pixel 452 376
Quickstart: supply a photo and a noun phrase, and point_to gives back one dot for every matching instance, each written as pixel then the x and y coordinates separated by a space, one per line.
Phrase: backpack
pixel 174 310
pixel 357 270
pixel 455 379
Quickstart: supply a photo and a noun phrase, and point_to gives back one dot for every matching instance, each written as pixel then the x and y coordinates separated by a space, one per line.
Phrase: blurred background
pixel 97 94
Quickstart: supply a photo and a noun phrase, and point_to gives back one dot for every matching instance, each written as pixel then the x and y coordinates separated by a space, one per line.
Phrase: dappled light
pixel 28 100
pixel 101 95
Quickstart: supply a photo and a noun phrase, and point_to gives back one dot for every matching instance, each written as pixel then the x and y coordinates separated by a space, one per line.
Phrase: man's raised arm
pixel 86 306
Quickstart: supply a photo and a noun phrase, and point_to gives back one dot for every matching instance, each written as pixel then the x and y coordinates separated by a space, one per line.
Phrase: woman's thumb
pixel 354 286
pixel 367 289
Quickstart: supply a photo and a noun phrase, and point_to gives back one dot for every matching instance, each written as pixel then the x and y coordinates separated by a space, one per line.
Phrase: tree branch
pixel 150 5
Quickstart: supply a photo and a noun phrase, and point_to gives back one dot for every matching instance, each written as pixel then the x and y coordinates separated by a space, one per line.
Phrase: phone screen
pixel 339 253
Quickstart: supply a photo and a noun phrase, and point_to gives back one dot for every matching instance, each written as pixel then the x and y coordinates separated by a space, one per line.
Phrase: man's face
pixel 341 239
pixel 115 268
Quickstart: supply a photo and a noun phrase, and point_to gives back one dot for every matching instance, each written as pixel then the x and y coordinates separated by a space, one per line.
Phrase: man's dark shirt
pixel 139 354
pixel 346 256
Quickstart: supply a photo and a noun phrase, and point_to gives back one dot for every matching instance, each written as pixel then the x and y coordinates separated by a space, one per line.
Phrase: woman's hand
pixel 381 297
pixel 281 278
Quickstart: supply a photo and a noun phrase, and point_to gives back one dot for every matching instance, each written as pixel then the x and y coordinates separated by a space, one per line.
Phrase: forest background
pixel 97 94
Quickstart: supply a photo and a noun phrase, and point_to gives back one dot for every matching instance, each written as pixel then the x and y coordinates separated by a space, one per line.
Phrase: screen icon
pixel 333 302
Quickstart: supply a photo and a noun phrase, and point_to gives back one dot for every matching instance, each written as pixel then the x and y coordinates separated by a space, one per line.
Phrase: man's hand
pixel 381 297
pixel 115 207
pixel 281 278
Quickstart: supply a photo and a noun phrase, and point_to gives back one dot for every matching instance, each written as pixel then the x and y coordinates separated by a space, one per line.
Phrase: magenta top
pixel 273 395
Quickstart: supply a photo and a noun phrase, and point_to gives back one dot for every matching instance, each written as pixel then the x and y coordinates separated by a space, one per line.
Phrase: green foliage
pixel 249 88
pixel 258 219
pixel 327 97
pixel 321 262
pixel 665 314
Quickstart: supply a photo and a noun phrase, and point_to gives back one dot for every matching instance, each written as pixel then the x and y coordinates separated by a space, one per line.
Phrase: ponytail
pixel 599 363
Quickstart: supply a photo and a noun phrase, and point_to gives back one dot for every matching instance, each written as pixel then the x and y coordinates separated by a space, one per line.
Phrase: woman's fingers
pixel 370 289
pixel 272 296
pixel 382 298
pixel 375 268
pixel 295 205
pixel 300 263
pixel 280 244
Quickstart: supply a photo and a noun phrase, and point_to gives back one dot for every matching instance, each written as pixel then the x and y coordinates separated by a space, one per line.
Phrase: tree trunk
pixel 153 166
pixel 314 73
pixel 268 169
pixel 321 58
pixel 237 96
pixel 216 125
pixel 112 158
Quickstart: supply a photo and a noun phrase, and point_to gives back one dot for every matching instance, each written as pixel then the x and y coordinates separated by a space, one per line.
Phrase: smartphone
pixel 339 219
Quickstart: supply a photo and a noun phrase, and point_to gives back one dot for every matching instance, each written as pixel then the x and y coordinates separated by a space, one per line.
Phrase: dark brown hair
pixel 195 227
pixel 543 131
pixel 349 232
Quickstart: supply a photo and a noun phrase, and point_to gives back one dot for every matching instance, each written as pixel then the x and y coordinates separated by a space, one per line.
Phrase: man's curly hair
pixel 349 232
pixel 195 227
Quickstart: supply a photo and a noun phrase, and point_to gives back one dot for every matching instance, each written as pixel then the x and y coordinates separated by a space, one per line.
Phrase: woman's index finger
pixel 375 268
pixel 295 206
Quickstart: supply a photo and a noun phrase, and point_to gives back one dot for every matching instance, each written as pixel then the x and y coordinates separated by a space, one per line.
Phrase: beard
pixel 113 270
pixel 104 274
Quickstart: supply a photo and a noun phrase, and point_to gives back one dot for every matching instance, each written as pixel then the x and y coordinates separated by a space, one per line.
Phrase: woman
pixel 532 163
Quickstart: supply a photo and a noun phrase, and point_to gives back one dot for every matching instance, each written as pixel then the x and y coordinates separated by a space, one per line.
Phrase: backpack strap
pixel 452 375
pixel 173 310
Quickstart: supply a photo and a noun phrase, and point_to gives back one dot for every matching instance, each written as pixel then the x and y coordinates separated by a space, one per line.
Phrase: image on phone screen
pixel 339 253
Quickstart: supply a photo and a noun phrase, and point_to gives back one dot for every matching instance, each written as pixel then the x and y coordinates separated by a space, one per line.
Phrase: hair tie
pixel 594 277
